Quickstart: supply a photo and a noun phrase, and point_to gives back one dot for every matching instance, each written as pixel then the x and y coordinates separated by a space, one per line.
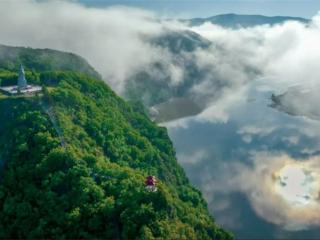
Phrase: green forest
pixel 73 161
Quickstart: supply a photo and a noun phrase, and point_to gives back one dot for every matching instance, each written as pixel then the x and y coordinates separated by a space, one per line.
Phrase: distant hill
pixel 153 84
pixel 43 60
pixel 180 41
pixel 237 21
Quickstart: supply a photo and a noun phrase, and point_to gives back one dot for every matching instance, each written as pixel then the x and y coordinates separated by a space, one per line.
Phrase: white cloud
pixel 111 39
pixel 193 158
pixel 250 131
pixel 283 55
pixel 220 109
pixel 258 182
pixel 291 140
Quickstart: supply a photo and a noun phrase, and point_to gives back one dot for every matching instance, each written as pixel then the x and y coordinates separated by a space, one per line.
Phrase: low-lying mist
pixel 119 43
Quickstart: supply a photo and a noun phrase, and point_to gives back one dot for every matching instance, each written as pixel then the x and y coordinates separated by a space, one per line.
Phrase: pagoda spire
pixel 22 82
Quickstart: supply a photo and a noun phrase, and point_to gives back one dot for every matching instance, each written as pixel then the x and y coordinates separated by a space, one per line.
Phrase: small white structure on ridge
pixel 22 87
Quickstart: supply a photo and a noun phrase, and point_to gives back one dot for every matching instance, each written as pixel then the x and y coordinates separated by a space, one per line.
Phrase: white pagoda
pixel 22 86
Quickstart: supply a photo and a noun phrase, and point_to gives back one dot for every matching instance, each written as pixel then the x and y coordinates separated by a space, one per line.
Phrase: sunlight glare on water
pixel 296 185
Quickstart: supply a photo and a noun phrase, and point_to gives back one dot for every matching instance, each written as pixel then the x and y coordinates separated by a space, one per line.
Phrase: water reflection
pixel 214 156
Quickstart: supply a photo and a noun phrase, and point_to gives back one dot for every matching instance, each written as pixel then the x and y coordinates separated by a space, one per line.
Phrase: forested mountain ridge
pixel 73 164
pixel 43 60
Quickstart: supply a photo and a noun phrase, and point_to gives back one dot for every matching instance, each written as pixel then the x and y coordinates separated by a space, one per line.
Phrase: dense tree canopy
pixel 73 164
pixel 43 60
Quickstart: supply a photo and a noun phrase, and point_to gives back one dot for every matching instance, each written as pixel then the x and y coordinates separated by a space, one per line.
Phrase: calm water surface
pixel 207 149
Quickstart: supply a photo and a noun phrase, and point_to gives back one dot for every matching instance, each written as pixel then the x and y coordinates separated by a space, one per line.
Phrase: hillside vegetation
pixel 73 164
pixel 43 60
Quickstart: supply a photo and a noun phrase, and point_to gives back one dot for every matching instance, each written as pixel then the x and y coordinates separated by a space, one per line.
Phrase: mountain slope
pixel 155 83
pixel 43 60
pixel 73 164
pixel 236 21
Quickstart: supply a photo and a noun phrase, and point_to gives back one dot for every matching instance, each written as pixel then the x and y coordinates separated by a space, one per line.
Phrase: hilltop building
pixel 22 86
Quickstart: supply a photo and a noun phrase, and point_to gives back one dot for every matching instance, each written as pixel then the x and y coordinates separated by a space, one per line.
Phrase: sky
pixel 206 8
